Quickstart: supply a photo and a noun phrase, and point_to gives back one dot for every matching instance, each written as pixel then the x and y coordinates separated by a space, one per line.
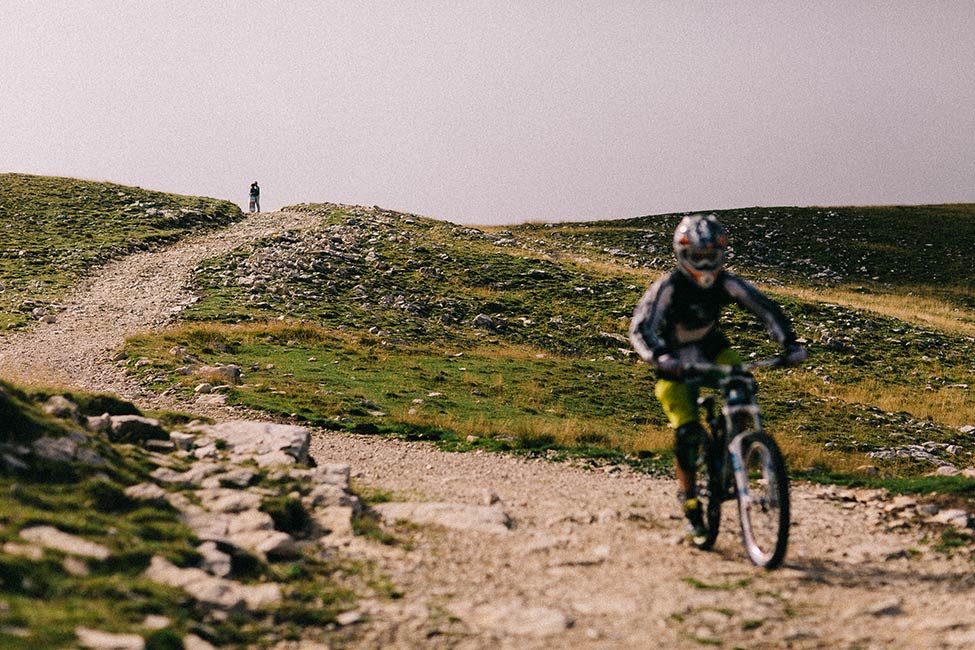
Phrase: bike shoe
pixel 695 519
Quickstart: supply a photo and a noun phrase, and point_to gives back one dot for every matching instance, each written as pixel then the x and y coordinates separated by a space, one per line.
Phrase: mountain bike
pixel 739 460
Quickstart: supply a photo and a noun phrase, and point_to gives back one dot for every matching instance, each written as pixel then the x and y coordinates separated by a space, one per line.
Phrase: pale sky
pixel 488 111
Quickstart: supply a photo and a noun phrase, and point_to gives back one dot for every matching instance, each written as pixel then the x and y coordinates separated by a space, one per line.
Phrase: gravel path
pixel 595 557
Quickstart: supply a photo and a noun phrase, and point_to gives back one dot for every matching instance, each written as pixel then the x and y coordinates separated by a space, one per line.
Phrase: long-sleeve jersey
pixel 675 312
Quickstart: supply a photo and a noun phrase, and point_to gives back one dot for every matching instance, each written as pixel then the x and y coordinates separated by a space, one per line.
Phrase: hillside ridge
pixel 593 557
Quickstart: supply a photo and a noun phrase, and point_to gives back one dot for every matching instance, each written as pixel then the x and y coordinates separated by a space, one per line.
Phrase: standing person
pixel 255 197
pixel 676 323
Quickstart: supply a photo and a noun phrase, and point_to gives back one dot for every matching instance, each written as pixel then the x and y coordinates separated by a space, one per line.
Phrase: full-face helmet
pixel 700 243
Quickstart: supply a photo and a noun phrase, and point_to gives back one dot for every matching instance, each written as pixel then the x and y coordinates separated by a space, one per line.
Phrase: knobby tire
pixel 764 514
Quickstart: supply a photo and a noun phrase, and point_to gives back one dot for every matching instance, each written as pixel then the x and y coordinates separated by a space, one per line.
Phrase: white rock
pixel 951 517
pixel 182 440
pixel 268 443
pixel 267 543
pixel 335 521
pixel 215 561
pixel 24 550
pixel 56 450
pixel 156 622
pixel 250 521
pixel 61 407
pixel 98 640
pixel 193 642
pixel 229 501
pixel 50 537
pixel 146 492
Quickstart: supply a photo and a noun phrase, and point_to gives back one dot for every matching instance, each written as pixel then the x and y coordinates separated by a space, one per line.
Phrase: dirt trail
pixel 595 557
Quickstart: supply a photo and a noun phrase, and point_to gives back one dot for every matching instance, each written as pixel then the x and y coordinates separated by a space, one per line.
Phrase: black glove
pixel 669 364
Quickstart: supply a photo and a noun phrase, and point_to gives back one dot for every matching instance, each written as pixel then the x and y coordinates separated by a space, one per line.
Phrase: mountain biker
pixel 255 205
pixel 676 323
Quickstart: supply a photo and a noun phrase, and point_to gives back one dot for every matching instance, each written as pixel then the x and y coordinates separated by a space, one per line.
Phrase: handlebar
pixel 699 368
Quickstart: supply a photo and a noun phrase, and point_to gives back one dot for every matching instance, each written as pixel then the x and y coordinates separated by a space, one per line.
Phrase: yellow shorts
pixel 679 401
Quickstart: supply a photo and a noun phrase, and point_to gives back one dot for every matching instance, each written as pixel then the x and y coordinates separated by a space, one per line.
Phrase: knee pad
pixel 688 438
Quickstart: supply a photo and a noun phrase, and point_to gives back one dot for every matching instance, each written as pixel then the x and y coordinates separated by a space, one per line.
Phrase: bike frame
pixel 740 414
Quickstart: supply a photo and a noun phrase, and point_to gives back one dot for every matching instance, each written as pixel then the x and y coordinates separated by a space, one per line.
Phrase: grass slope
pixel 514 339
pixel 56 229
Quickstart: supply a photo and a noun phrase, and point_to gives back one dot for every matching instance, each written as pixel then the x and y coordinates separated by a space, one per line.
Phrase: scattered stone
pixel 215 561
pixel 483 321
pixel 250 521
pixel 30 552
pixel 98 640
pixel 146 492
pixel 51 537
pixel 99 423
pixel 156 622
pixel 60 406
pixel 211 591
pixel 271 544
pixel 136 429
pixel 229 501
pixel 162 446
pixel 335 522
pixel 190 478
pixel 240 477
pixel 327 495
pixel 193 642
pixel 900 503
pixel 268 443
pixel 182 440
pixel 55 450
pixel 348 618
pixel 954 517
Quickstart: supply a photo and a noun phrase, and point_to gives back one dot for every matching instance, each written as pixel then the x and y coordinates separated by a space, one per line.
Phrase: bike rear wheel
pixel 710 492
pixel 764 510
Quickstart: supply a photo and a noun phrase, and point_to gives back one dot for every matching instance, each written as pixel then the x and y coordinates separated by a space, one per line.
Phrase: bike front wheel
pixel 764 508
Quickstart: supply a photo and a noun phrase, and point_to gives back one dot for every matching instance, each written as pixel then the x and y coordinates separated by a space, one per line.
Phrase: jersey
pixel 675 313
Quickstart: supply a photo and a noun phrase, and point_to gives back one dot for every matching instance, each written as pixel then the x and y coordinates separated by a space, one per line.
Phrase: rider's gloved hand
pixel 669 364
pixel 794 355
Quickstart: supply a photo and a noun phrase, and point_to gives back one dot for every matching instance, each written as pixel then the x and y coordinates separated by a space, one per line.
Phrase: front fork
pixel 743 419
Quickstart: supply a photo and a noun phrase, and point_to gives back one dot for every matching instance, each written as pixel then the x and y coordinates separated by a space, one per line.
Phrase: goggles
pixel 704 257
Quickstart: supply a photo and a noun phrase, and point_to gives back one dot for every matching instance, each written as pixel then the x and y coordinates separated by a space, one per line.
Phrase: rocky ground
pixel 503 552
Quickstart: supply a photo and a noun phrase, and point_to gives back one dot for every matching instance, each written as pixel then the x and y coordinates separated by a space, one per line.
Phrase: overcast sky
pixel 487 111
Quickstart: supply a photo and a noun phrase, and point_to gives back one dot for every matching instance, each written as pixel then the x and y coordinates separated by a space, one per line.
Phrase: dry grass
pixel 916 307
pixel 950 406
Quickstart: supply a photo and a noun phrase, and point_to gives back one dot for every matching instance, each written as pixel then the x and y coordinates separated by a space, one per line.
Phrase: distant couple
pixel 255 197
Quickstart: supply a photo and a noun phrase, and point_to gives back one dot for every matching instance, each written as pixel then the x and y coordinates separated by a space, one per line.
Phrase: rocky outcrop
pixel 246 489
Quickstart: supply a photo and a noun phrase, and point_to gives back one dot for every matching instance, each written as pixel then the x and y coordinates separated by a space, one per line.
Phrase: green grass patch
pixel 502 398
